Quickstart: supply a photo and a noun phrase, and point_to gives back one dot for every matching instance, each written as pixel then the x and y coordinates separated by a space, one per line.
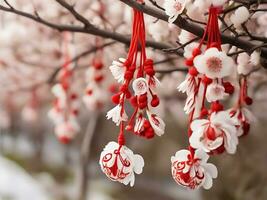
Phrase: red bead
pixel 216 107
pixel 196 52
pixel 155 101
pixel 98 78
pixel 142 98
pixel 150 72
pixel 193 71
pixel 64 139
pixel 228 87
pixel 204 112
pixel 206 80
pixel 149 134
pixel 116 98
pixel 73 96
pixel 189 62
pixel 248 101
pixel 149 62
pixel 142 105
pixel 146 124
pixel 98 64
pixel 75 112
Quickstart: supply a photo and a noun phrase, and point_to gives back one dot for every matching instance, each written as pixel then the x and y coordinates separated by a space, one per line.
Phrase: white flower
pixel 185 36
pixel 193 171
pixel 117 69
pixel 58 91
pixel 119 163
pixel 159 30
pixel 214 63
pixel 56 116
pixel 243 59
pixel 240 16
pixel 245 63
pixel 67 130
pixel 215 92
pixel 255 58
pixel 215 134
pixel 157 123
pixel 116 116
pixel 188 85
pixel 140 86
pixel 173 8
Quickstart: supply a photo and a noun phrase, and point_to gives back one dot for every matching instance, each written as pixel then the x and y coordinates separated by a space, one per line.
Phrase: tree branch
pixel 193 28
pixel 75 13
pixel 89 30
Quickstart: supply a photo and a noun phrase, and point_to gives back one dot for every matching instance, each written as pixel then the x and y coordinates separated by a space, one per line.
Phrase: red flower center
pixel 214 64
pixel 177 6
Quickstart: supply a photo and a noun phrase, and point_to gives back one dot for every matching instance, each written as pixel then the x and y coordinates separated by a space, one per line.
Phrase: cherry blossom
pixel 117 69
pixel 214 63
pixel 217 133
pixel 117 114
pixel 215 92
pixel 193 171
pixel 67 130
pixel 173 8
pixel 120 164
pixel 240 16
pixel 246 63
pixel 140 86
pixel 159 30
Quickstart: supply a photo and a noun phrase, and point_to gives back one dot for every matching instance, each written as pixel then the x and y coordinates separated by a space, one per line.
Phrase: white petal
pixel 140 86
pixel 199 153
pixel 211 169
pixel 181 155
pixel 138 164
pixel 207 182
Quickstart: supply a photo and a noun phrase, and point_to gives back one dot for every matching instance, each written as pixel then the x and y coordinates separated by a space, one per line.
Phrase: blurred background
pixel 34 165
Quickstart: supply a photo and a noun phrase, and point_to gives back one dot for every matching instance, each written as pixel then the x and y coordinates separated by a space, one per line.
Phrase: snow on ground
pixel 17 184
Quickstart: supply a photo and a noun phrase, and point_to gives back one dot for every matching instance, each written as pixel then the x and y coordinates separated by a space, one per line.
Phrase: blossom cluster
pixel 96 95
pixel 213 129
pixel 66 105
pixel 137 71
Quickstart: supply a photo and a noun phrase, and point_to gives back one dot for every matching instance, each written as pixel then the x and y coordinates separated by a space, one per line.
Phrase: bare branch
pixel 74 13
pixel 89 30
pixel 156 4
pixel 193 28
